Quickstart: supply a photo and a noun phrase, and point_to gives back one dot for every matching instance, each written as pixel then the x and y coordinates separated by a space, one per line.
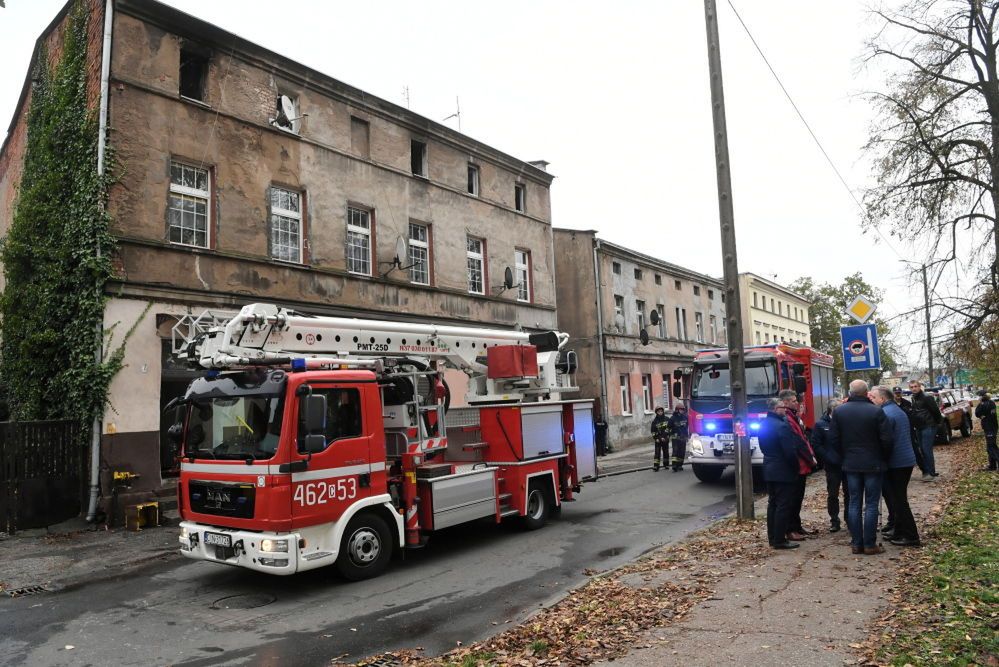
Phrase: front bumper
pixel 709 450
pixel 246 550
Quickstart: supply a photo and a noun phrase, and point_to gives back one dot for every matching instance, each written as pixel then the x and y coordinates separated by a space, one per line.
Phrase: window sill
pixel 189 245
pixel 200 103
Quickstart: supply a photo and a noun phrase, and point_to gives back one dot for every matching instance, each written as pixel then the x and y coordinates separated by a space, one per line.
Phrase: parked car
pixel 957 413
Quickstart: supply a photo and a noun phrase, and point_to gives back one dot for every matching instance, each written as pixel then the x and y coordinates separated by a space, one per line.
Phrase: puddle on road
pixel 610 553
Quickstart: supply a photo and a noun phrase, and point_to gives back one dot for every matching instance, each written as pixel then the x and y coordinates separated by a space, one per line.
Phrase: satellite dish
pixel 287 113
pixel 400 249
pixel 508 278
pixel 654 317
pixel 643 335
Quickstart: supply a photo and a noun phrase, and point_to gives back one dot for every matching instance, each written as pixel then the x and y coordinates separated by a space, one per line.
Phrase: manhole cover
pixel 27 590
pixel 249 601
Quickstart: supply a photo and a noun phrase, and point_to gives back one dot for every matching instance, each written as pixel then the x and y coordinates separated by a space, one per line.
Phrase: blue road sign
pixel 860 347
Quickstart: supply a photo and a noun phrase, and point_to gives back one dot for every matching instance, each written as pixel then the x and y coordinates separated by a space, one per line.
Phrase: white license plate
pixel 725 437
pixel 218 539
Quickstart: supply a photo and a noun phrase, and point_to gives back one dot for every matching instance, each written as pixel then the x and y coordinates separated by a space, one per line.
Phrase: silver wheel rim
pixel 364 546
pixel 535 504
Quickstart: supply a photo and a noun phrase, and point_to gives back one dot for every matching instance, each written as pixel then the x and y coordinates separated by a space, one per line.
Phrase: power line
pixel 809 128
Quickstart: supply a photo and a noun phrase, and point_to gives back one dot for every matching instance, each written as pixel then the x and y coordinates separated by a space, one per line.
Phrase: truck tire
pixel 539 505
pixel 365 548
pixel 966 426
pixel 707 473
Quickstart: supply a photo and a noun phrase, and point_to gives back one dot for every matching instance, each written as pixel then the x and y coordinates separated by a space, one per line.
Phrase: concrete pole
pixel 733 304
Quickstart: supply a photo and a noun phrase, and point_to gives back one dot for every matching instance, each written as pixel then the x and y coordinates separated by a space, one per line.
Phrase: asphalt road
pixel 468 583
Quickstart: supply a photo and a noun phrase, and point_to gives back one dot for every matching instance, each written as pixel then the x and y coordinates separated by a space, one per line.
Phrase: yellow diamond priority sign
pixel 861 309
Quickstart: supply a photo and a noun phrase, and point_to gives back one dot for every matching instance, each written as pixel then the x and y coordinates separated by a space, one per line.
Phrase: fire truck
pixel 314 441
pixel 770 369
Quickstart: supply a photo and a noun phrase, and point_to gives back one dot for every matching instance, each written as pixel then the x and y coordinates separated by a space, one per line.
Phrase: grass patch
pixel 950 603
pixel 478 658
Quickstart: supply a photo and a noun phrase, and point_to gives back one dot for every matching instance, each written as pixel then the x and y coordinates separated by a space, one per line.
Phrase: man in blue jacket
pixel 780 472
pixel 899 472
pixel 832 463
pixel 861 433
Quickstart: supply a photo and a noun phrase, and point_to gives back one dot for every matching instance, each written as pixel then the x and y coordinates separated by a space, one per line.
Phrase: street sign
pixel 861 309
pixel 860 347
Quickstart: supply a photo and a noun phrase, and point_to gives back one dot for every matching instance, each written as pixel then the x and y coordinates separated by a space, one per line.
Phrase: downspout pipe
pixel 600 330
pixel 95 441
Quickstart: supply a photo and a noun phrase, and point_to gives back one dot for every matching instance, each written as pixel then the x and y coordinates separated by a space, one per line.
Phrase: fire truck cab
pixel 769 369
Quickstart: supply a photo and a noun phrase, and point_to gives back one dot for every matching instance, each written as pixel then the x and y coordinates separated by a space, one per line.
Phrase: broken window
pixel 520 197
pixel 473 180
pixel 418 158
pixel 193 73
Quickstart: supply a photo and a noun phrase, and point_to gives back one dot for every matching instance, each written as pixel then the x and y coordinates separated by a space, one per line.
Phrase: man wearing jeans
pixel 926 417
pixel 861 433
pixel 903 458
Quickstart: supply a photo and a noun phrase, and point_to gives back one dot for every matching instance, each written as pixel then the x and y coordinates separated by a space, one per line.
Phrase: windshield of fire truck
pixel 234 427
pixel 711 380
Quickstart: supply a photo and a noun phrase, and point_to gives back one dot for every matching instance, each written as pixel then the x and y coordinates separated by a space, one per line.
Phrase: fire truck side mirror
pixel 176 432
pixel 677 373
pixel 677 389
pixel 314 414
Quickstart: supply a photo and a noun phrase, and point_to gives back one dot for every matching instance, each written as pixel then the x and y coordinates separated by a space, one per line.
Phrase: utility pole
pixel 733 304
pixel 929 335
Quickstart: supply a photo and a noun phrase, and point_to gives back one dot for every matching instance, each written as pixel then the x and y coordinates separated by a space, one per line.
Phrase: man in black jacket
pixel 860 432
pixel 906 406
pixel 780 472
pixel 926 417
pixel 986 411
pixel 832 463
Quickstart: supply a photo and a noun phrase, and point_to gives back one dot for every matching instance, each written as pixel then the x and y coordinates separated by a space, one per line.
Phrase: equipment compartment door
pixel 340 474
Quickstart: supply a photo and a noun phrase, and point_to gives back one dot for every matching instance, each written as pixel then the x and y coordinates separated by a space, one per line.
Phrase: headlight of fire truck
pixel 695 444
pixel 183 533
pixel 273 546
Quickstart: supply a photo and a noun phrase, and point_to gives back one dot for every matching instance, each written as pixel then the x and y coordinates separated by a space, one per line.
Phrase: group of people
pixel 868 446
pixel 667 430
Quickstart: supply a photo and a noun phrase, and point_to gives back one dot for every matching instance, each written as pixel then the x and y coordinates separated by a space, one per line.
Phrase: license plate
pixel 725 437
pixel 218 539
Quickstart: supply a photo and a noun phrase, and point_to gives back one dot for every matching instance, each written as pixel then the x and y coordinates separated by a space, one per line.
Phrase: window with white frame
pixel 661 309
pixel 640 307
pixel 625 395
pixel 419 254
pixel 358 241
pixel 522 273
pixel 681 323
pixel 475 253
pixel 758 341
pixel 647 393
pixel 473 180
pixel 618 306
pixel 190 201
pixel 713 328
pixel 286 225
pixel 699 326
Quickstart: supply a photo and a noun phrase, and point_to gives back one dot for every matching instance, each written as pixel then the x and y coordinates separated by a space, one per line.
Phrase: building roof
pixel 774 286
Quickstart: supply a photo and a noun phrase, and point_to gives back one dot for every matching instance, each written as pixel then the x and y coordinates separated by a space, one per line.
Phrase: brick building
pixel 245 176
pixel 606 294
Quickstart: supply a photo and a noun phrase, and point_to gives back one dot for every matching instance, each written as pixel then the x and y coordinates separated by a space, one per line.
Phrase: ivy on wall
pixel 56 256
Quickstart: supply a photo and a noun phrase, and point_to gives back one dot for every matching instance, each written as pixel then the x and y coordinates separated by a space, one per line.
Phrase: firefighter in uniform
pixel 678 434
pixel 660 435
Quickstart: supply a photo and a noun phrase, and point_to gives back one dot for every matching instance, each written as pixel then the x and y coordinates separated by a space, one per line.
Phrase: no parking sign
pixel 860 348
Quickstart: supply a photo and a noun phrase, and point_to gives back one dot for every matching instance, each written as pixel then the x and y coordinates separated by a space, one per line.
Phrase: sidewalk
pixel 73 552
pixel 722 597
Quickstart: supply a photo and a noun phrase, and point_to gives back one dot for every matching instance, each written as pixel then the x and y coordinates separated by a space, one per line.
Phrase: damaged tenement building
pixel 243 176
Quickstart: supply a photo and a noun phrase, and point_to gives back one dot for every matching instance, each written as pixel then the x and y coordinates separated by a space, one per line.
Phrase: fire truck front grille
pixel 232 499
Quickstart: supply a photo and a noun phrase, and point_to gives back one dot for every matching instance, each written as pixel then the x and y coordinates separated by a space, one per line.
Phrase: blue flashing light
pixel 211 375
pixel 711 426
pixel 298 364
pixel 754 426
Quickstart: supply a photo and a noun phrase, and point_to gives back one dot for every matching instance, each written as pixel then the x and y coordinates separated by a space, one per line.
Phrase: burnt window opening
pixel 418 157
pixel 519 197
pixel 473 180
pixel 193 74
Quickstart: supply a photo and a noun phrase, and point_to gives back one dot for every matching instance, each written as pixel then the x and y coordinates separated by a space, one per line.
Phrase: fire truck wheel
pixel 538 507
pixel 365 549
pixel 708 473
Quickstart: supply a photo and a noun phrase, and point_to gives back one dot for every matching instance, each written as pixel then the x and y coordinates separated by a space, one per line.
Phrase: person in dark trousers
pixel 986 411
pixel 660 435
pixel 906 406
pixel 926 417
pixel 904 533
pixel 806 463
pixel 780 472
pixel 678 434
pixel 832 463
pixel 860 431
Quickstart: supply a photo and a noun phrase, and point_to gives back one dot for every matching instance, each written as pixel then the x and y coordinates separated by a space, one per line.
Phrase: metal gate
pixel 41 466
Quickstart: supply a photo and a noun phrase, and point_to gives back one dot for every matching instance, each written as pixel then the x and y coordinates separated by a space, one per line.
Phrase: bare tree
pixel 934 143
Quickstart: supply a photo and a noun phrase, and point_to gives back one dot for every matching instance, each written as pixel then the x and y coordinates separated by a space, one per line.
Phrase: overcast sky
pixel 615 96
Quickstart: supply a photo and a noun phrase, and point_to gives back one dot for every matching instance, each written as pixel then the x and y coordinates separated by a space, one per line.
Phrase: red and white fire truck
pixel 316 441
pixel 769 370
